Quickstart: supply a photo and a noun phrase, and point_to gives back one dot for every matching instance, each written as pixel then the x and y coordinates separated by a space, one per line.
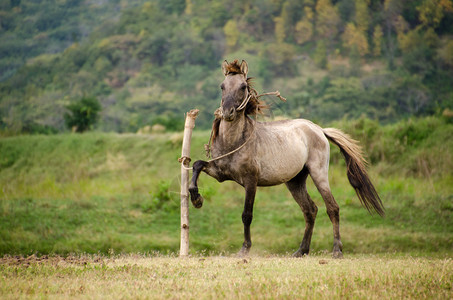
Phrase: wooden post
pixel 185 160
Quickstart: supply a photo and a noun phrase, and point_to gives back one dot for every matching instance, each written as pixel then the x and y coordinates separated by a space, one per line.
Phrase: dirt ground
pixel 18 260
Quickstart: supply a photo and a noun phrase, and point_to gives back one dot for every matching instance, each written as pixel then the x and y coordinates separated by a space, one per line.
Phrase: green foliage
pixel 171 123
pixel 83 114
pixel 231 33
pixel 354 62
pixel 280 59
pixel 377 41
pixel 149 59
pixel 417 147
pixel 161 199
pixel 320 55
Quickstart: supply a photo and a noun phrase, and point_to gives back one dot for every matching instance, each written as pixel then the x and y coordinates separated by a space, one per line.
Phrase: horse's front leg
pixel 247 216
pixel 197 199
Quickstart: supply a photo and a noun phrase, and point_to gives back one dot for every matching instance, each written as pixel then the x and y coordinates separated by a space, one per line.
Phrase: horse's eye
pixel 222 86
pixel 243 87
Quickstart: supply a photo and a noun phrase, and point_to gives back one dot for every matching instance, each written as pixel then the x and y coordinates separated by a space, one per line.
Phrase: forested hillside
pixel 148 62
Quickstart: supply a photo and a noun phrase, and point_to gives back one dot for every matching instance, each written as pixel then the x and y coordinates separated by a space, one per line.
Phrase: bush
pixel 83 114
pixel 161 199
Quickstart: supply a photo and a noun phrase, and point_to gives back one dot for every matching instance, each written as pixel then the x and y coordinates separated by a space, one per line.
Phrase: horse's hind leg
pixel 297 187
pixel 321 179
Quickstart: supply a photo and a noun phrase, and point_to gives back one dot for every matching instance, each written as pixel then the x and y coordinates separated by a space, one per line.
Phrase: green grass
pixel 96 192
pixel 220 277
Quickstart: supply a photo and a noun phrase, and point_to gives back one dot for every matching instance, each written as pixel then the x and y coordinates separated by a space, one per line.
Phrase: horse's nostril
pixel 229 112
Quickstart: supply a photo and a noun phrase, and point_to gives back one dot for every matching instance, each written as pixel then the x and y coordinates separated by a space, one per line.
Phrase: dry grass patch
pixel 157 277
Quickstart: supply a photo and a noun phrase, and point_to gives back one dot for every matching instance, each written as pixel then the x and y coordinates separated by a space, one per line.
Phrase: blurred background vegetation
pixel 148 62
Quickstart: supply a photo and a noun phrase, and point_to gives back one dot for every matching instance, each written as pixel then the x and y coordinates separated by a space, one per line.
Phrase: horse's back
pixel 284 147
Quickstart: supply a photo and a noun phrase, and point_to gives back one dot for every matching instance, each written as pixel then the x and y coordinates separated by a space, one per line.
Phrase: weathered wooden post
pixel 185 161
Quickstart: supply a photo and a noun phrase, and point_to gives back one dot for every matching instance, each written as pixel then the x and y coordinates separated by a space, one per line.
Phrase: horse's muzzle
pixel 229 114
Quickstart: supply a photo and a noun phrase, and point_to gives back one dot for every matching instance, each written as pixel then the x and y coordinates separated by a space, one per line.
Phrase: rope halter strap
pixel 244 102
pixel 219 111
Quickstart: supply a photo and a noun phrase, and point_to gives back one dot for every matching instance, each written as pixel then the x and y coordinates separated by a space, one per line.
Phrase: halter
pixel 219 115
pixel 245 101
pixel 219 112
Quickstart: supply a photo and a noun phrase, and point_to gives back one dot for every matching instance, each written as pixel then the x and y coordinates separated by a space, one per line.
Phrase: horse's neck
pixel 232 133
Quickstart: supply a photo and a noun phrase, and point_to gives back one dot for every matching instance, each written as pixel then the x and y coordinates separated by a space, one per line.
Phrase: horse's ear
pixel 244 68
pixel 225 67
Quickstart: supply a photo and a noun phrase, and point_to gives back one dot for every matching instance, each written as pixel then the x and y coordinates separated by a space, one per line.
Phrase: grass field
pixel 262 277
pixel 97 192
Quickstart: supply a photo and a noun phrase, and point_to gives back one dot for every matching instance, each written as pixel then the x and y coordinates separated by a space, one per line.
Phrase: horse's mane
pixel 254 106
pixel 233 68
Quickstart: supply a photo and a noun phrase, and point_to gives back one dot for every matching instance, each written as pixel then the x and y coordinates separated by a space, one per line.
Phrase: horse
pixel 254 153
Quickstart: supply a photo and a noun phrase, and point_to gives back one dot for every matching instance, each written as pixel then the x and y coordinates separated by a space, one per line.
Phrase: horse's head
pixel 234 89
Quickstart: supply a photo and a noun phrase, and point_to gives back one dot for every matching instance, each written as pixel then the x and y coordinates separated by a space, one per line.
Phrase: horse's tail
pixel 357 173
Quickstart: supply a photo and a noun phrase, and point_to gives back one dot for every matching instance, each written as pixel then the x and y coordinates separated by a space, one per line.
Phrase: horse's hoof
pixel 198 202
pixel 300 253
pixel 244 252
pixel 195 197
pixel 337 255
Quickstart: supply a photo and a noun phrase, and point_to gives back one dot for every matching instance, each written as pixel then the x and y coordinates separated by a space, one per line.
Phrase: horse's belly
pixel 281 164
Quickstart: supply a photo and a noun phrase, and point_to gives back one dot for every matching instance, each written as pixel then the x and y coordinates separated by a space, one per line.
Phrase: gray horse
pixel 255 154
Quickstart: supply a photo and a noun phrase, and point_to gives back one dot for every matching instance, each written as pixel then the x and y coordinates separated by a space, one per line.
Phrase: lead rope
pixel 237 149
pixel 184 158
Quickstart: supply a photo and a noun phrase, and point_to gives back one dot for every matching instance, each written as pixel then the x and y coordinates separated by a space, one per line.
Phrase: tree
pixel 327 19
pixel 286 20
pixel 189 8
pixel 445 54
pixel 231 33
pixel 304 31
pixel 82 114
pixel 320 55
pixel 362 16
pixel 280 33
pixel 354 61
pixel 354 37
pixel 173 6
pixel 377 40
pixel 392 9
pixel 280 59
pixel 431 12
pixel 304 28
